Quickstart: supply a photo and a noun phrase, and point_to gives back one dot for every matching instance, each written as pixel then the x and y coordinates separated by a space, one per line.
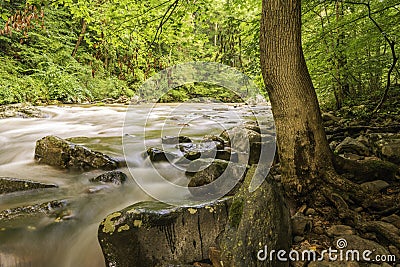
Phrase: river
pixel 48 241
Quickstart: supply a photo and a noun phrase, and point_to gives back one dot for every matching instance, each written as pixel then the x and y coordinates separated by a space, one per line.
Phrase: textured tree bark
pixel 303 149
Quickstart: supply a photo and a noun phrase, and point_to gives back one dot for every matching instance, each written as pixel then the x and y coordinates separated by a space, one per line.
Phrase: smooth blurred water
pixel 47 241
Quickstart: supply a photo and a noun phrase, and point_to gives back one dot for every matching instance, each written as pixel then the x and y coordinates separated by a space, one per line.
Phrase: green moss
pixel 236 212
pixel 137 223
pixel 108 223
pixel 123 228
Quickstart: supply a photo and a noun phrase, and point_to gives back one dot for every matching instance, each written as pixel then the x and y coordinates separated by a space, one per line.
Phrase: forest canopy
pixel 79 51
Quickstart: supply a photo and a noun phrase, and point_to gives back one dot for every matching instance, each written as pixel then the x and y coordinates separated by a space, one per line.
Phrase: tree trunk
pixel 307 163
pixel 80 38
pixel 303 149
pixel 342 87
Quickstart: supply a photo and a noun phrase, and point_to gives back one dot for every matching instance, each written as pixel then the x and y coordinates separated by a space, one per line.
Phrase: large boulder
pixel 58 152
pixel 258 220
pixel 9 185
pixel 355 242
pixel 157 234
pixel 248 140
pixel 244 136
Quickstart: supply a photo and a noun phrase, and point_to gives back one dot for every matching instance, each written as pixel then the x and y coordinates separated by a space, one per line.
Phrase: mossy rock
pixel 157 234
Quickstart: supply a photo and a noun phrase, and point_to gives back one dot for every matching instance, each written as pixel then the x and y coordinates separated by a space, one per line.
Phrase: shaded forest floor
pixel 357 134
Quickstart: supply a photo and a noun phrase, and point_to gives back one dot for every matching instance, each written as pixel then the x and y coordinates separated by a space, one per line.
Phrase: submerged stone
pixel 159 155
pixel 175 139
pixel 115 177
pixel 21 110
pixel 18 217
pixel 9 185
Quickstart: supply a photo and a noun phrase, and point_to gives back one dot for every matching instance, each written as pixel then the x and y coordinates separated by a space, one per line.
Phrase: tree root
pixel 367 170
pixel 388 211
pixel 351 191
pixel 344 212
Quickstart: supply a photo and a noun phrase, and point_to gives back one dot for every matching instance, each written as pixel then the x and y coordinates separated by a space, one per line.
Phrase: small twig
pixel 138 16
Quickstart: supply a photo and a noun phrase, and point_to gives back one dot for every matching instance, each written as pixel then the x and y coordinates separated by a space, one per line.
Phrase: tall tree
pixel 303 147
pixel 307 163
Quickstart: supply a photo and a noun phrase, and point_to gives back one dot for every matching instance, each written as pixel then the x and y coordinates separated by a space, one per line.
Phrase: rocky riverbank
pixel 314 229
pixel 21 110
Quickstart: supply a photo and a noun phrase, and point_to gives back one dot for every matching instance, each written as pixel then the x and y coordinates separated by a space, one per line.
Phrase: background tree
pixel 348 57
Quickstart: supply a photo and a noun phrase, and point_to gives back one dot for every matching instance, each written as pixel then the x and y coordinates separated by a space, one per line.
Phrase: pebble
pixel 310 212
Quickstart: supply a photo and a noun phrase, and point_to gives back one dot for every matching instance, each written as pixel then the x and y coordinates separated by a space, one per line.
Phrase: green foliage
pixel 124 43
pixel 344 48
pixel 40 68
pixel 120 44
pixel 200 92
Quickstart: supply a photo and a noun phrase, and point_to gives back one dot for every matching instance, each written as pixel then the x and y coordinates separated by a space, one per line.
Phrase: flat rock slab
pixel 19 216
pixel 157 234
pixel 10 185
pixel 338 230
pixel 58 152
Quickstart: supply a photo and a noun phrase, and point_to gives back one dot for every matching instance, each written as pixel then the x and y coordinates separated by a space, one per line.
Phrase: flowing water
pixel 72 240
